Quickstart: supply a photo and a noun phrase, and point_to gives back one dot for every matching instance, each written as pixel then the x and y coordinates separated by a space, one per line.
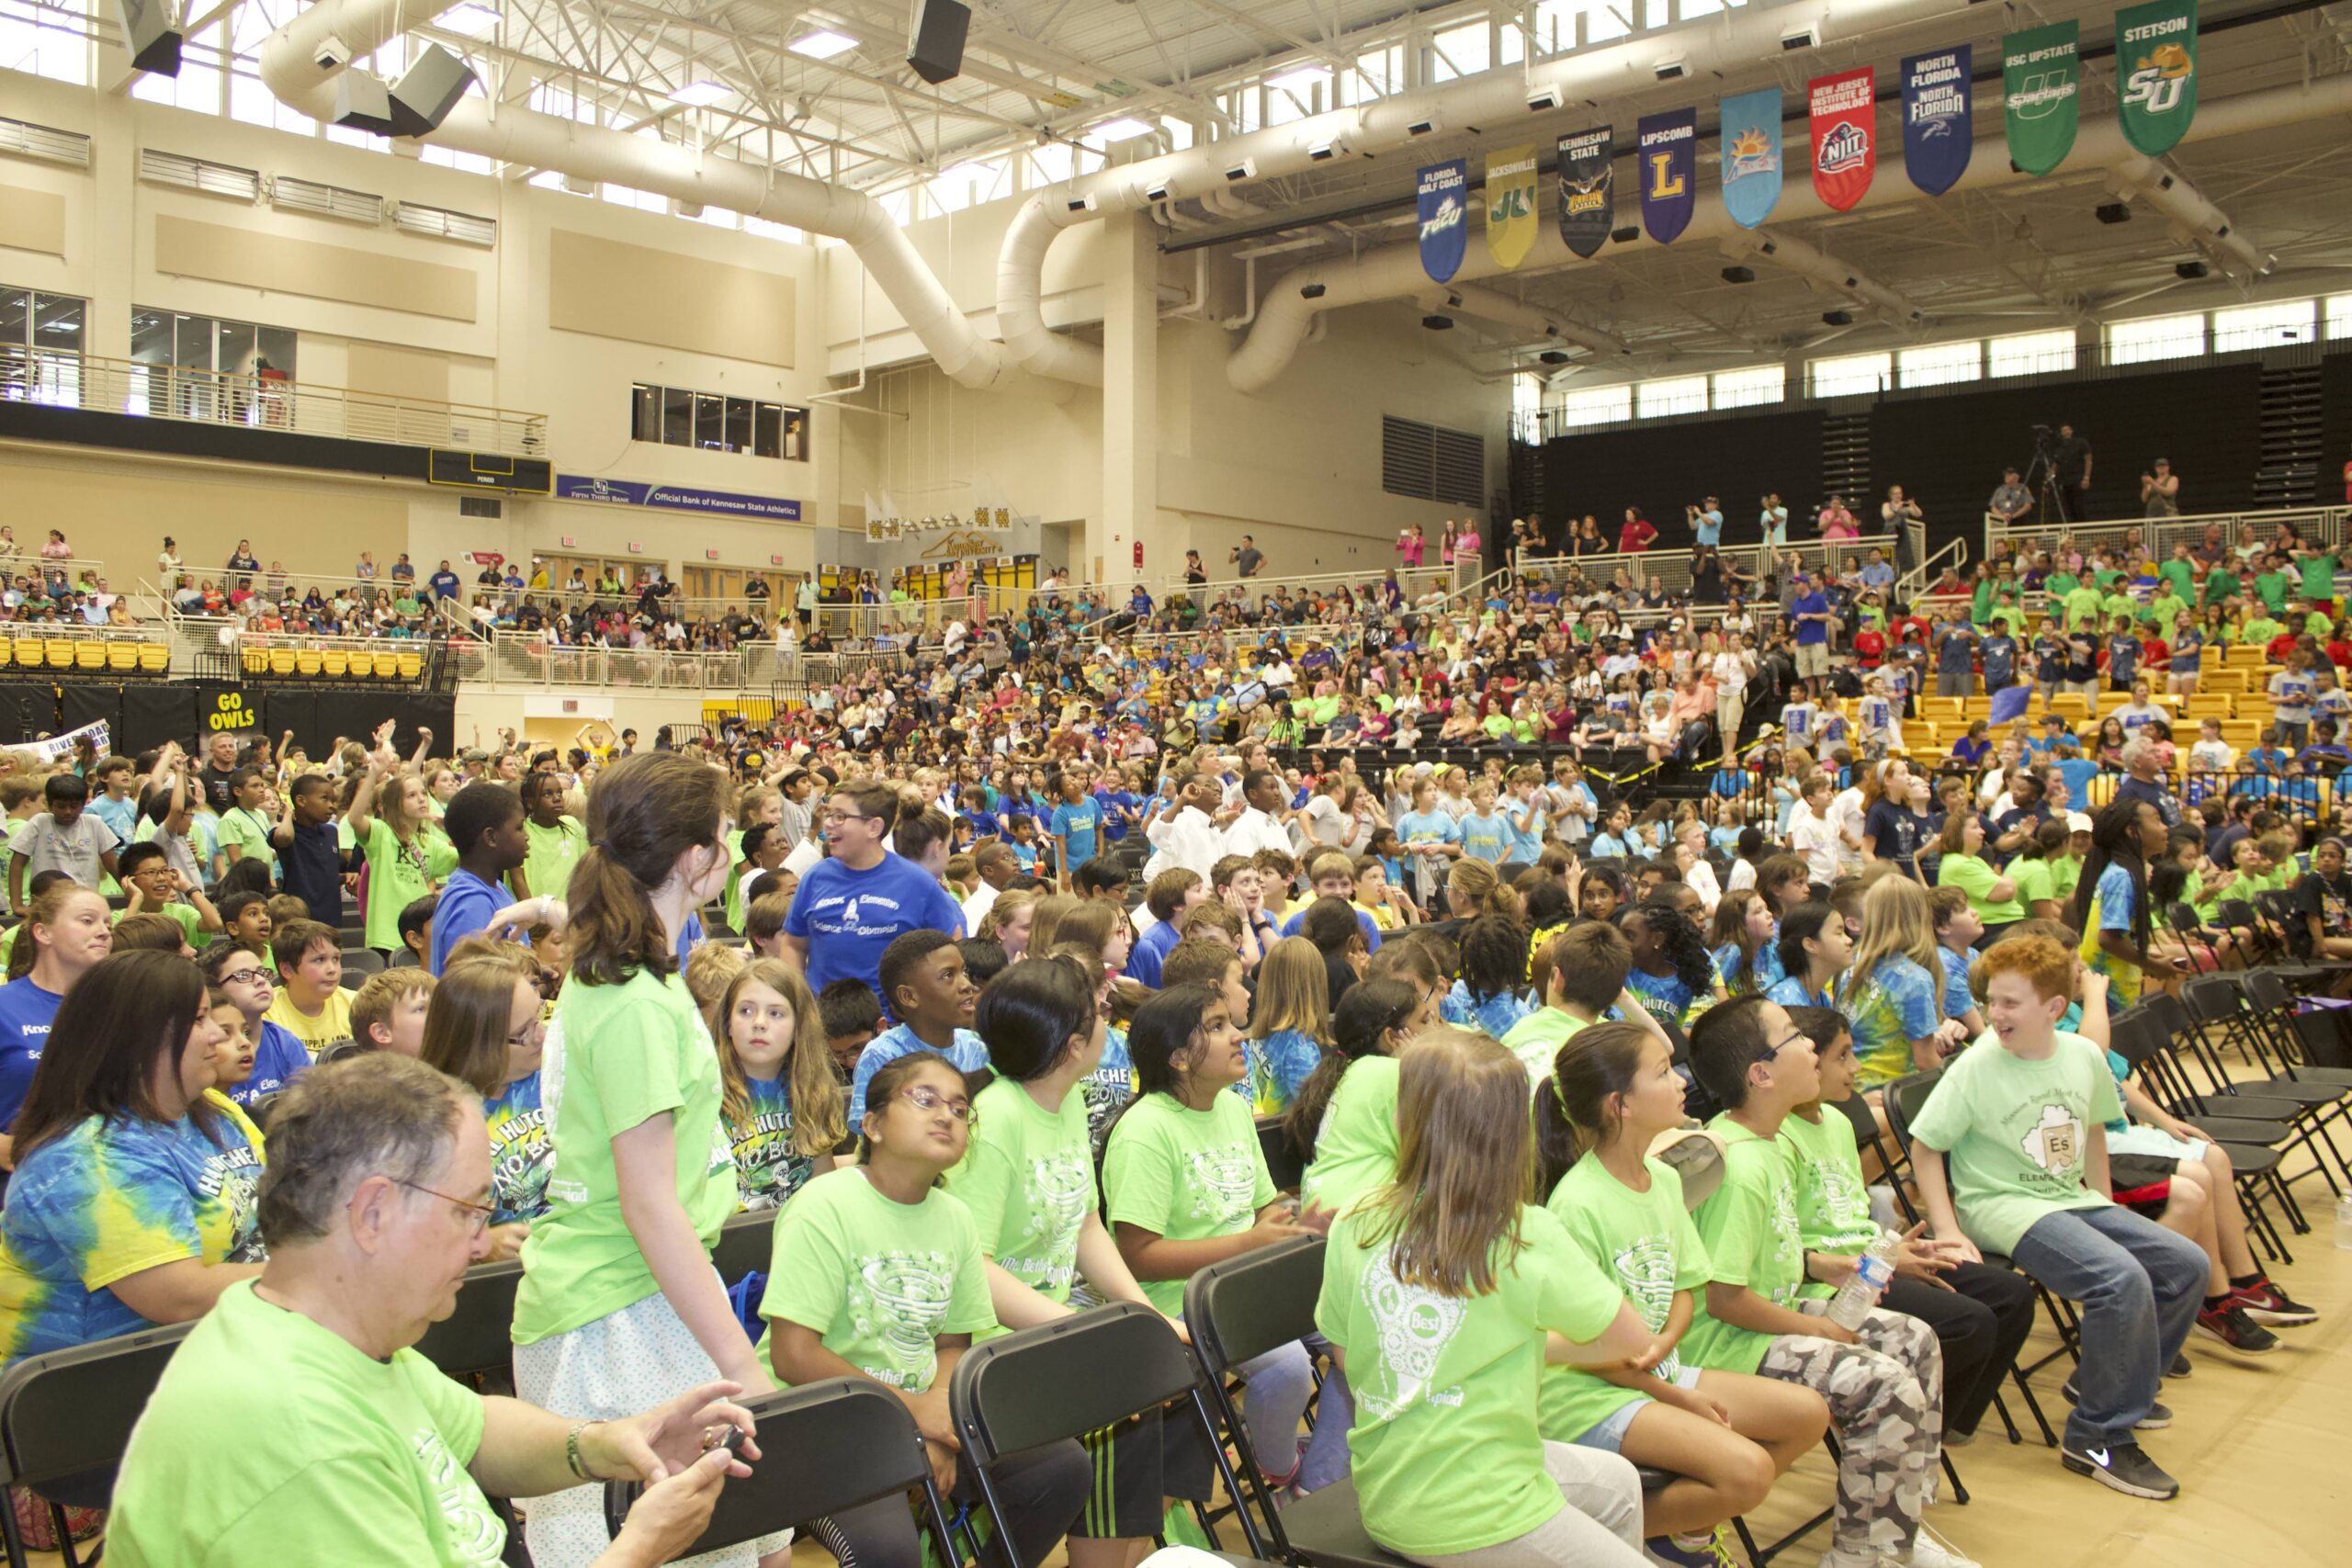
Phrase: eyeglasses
pixel 242 977
pixel 1799 1038
pixel 922 1097
pixel 479 1213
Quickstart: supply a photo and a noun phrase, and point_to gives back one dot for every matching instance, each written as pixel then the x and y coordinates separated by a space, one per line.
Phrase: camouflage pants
pixel 1885 1399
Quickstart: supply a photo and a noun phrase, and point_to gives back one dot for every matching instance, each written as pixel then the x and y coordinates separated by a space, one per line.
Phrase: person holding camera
pixel 2160 491
pixel 1706 523
pixel 1773 519
pixel 2070 467
pixel 1246 558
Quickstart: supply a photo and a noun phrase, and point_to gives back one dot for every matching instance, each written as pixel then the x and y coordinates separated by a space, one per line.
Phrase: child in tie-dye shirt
pixel 779 1103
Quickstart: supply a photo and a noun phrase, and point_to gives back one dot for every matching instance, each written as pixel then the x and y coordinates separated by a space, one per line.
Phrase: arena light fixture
pixel 821 45
pixel 701 94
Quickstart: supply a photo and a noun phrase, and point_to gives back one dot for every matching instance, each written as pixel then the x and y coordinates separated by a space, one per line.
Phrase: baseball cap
pixel 2076 822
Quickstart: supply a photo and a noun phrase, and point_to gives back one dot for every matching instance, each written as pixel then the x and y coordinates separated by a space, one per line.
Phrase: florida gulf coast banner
pixel 2042 72
pixel 1441 190
pixel 2155 69
pixel 1588 190
pixel 1668 148
pixel 1844 111
pixel 1939 122
pixel 1751 151
pixel 1510 205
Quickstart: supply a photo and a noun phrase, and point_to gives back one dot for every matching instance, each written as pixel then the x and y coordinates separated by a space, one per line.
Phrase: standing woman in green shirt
pixel 1448 1292
pixel 391 826
pixel 619 1306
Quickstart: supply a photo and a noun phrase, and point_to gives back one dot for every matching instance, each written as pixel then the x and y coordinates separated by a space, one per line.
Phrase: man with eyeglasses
pixel 850 905
pixel 352 1448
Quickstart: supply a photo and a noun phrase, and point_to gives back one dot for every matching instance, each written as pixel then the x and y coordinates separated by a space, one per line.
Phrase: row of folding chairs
pixel 88 654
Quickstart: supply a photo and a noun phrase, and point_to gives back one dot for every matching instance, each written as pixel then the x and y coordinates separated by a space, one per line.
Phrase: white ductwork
pixel 300 61
pixel 1792 255
pixel 1486 305
pixel 1020 307
pixel 2170 193
pixel 1296 298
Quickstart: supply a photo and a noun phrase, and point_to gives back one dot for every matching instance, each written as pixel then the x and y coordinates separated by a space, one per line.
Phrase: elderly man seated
pixel 297 1424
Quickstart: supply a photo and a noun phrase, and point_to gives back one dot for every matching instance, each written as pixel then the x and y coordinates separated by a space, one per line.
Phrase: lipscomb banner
pixel 1844 135
pixel 1751 150
pixel 1588 190
pixel 1510 205
pixel 1670 160
pixel 2155 67
pixel 1441 190
pixel 1939 122
pixel 2042 72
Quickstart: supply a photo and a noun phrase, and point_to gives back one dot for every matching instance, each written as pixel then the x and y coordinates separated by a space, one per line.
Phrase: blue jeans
pixel 2139 1286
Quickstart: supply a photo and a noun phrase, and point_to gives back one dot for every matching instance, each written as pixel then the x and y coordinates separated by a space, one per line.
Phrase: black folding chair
pixel 746 1245
pixel 825 1448
pixel 2226 1011
pixel 2254 1155
pixel 65 1418
pixel 475 1344
pixel 1065 1378
pixel 1282 1160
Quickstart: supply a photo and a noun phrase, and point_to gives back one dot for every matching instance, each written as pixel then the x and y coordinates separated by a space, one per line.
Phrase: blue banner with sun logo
pixel 1751 142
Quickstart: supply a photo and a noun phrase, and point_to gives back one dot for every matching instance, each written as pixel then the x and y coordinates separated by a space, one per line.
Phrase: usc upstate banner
pixel 2155 67
pixel 1510 205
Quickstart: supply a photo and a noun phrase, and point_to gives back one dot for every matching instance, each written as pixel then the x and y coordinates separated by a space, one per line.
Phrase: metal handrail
pixel 1672 567
pixel 2324 524
pixel 226 397
pixel 1912 583
pixel 1415 581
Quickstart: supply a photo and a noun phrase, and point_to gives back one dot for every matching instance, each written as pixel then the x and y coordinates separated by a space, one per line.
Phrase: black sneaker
pixel 2158 1417
pixel 2232 1326
pixel 2125 1467
pixel 2180 1367
pixel 2266 1302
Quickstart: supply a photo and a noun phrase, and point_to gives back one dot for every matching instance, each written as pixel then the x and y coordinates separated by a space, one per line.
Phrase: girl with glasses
pixel 278 1058
pixel 483 1028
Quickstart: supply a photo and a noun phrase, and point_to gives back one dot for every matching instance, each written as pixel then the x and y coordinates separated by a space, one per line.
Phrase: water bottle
pixel 1874 1271
pixel 2344 1222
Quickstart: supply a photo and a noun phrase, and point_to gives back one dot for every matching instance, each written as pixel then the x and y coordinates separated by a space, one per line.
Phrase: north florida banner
pixel 1510 205
pixel 2155 64
pixel 1588 190
pixel 1939 124
pixel 1442 189
pixel 1751 149
pixel 2041 71
pixel 1844 135
pixel 1669 163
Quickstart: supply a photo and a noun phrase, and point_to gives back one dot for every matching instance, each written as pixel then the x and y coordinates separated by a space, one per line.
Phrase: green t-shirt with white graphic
pixel 1833 1201
pixel 2015 1134
pixel 1186 1174
pixel 1749 1226
pixel 1445 1386
pixel 1355 1150
pixel 1536 1039
pixel 1646 1245
pixel 1028 1178
pixel 877 1281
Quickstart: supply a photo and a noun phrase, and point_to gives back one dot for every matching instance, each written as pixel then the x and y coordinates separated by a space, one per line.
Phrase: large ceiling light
pixel 467 18
pixel 1124 129
pixel 701 94
pixel 822 45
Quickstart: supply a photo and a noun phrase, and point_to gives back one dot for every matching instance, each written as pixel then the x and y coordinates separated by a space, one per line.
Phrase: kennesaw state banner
pixel 1844 135
pixel 1510 205
pixel 1442 189
pixel 1588 190
pixel 1939 124
pixel 1751 144
pixel 2041 71
pixel 1670 160
pixel 2155 55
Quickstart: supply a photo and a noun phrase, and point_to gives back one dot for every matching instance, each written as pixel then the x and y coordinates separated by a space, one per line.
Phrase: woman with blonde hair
pixel 1473 887
pixel 1290 1023
pixel 483 1028
pixel 778 1100
pixel 1892 994
pixel 391 821
pixel 1098 923
pixel 1047 917
pixel 1011 921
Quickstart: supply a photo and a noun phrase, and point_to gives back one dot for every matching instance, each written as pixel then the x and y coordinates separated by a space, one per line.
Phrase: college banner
pixel 2155 56
pixel 1510 205
pixel 1938 123
pixel 1588 190
pixel 2041 70
pixel 1751 144
pixel 1441 190
pixel 1668 146
pixel 1844 135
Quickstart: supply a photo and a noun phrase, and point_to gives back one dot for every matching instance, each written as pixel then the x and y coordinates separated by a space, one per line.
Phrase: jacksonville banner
pixel 2155 62
pixel 1510 205
pixel 1938 127
pixel 1588 190
pixel 2041 71
pixel 1844 135
pixel 1668 155
pixel 1751 149
pixel 1442 188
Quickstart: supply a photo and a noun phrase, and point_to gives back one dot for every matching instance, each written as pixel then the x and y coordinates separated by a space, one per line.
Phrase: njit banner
pixel 1510 205
pixel 1751 144
pixel 1844 135
pixel 1442 189
pixel 1670 158
pixel 1938 123
pixel 2155 57
pixel 2042 72
pixel 1588 190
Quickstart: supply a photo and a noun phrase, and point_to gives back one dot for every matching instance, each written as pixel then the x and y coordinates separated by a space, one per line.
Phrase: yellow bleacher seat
pixel 60 652
pixel 154 658
pixel 281 661
pixel 7 653
pixel 307 660
pixel 388 666
pixel 408 666
pixel 89 654
pixel 337 662
pixel 123 656
pixel 256 659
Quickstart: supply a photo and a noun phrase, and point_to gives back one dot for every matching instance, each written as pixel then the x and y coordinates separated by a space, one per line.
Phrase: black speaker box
pixel 936 50
pixel 430 90
pixel 154 44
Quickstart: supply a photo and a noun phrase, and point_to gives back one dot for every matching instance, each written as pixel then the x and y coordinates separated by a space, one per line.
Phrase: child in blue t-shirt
pixel 1486 833
pixel 1024 844
pixel 1075 823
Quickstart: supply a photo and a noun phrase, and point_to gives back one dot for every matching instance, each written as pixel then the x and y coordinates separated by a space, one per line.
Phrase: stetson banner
pixel 1442 188
pixel 1844 135
pixel 2156 59
pixel 1668 146
pixel 1939 124
pixel 2041 72
pixel 1510 205
pixel 1752 146
pixel 1588 190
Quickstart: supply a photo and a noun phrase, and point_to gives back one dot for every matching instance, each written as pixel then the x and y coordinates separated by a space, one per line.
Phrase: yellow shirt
pixel 331 1027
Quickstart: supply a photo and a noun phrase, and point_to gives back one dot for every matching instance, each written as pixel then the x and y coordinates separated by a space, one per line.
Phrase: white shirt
pixel 1812 837
pixel 976 906
pixel 1700 879
pixel 1254 831
pixel 1191 842
pixel 1730 671
pixel 1322 825
pixel 1846 816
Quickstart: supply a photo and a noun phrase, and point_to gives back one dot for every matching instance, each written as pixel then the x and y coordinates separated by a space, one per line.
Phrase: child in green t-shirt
pixel 2010 1152
pixel 1884 1380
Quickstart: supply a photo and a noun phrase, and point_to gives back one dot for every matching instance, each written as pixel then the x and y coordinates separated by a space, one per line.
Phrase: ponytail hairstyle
pixel 645 812
pixel 1493 957
pixel 1898 921
pixel 1693 964
pixel 2049 840
pixel 1450 1223
pixel 1573 1116
pixel 1476 883
pixel 1730 929
pixel 1360 1028
pixel 1002 909
pixel 2115 841
pixel 1028 1014
pixel 818 1125
pixel 1798 926
pixel 46 910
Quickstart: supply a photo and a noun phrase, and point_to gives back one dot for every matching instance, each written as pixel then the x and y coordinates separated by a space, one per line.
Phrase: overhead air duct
pixel 301 60
pixel 1502 310
pixel 1790 254
pixel 2169 192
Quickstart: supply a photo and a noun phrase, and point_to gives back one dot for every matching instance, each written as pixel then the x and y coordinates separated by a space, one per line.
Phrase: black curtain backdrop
pixel 2335 423
pixel 28 711
pixel 143 716
pixel 1661 469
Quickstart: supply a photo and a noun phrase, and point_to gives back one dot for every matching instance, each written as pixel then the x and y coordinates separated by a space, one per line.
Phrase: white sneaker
pixel 1836 1557
pixel 1928 1552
